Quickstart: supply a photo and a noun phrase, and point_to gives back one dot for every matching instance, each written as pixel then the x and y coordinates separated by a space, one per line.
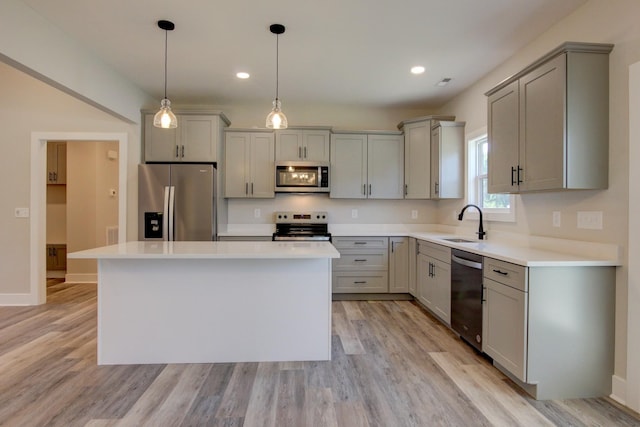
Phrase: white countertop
pixel 529 251
pixel 522 255
pixel 210 250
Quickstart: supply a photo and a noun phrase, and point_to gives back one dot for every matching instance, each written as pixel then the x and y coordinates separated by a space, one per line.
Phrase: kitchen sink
pixel 458 240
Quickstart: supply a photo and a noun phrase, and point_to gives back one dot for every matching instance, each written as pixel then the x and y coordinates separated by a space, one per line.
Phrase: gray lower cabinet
pixel 399 265
pixel 434 279
pixel 413 266
pixel 363 266
pixel 551 329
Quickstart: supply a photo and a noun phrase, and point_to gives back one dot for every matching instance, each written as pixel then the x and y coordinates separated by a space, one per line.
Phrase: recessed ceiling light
pixel 242 75
pixel 418 69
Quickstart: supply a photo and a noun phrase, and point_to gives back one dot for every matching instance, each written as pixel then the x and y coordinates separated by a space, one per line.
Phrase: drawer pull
pixel 504 273
pixel 360 282
pixel 360 260
pixel 359 243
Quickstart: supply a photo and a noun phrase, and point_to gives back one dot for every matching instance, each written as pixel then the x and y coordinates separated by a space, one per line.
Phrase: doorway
pixel 37 285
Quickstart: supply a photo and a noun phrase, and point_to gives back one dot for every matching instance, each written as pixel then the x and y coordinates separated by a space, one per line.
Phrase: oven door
pixel 302 177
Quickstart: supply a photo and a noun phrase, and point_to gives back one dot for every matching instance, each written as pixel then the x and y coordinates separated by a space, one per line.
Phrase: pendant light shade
pixel 165 118
pixel 276 118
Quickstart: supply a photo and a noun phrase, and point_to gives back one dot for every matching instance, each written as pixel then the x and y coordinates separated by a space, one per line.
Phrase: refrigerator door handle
pixel 171 206
pixel 165 214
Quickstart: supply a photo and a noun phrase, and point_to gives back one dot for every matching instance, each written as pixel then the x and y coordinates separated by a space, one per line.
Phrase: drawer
pixel 360 242
pixel 506 273
pixel 442 253
pixel 360 282
pixel 361 260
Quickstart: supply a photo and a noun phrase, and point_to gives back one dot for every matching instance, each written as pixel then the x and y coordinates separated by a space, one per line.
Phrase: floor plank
pixel 393 364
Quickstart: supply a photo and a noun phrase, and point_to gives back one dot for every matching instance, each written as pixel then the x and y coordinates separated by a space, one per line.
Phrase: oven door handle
pixel 466 262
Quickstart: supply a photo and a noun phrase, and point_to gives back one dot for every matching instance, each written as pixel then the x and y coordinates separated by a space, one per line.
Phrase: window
pixel 496 207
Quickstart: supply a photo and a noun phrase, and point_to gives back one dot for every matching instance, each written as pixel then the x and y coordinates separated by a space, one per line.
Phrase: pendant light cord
pixel 277 62
pixel 166 38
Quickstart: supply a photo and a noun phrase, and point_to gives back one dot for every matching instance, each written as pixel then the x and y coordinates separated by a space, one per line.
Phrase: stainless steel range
pixel 295 226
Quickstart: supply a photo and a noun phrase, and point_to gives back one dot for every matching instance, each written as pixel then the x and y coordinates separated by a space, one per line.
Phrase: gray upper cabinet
pixel 549 124
pixel 249 165
pixel 447 160
pixel 367 165
pixel 196 139
pixel 303 144
pixel 417 155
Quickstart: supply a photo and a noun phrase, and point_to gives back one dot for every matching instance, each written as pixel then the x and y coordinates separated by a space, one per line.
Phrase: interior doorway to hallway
pixel 38 211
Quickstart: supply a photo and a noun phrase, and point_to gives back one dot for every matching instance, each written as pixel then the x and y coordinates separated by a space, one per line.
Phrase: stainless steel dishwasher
pixel 466 296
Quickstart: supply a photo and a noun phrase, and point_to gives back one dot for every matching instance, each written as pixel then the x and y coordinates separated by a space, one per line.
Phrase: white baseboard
pixel 81 278
pixel 18 299
pixel 619 390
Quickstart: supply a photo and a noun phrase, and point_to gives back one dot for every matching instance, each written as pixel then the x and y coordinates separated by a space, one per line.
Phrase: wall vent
pixel 112 235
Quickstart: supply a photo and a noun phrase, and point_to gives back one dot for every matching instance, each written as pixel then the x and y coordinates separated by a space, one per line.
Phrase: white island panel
pixel 213 310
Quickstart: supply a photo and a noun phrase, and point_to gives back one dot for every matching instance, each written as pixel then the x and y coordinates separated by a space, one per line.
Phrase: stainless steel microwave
pixel 302 177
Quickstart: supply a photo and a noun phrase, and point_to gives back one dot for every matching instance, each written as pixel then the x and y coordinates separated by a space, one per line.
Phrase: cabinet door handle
pixel 364 189
pixel 482 299
pixel 252 188
pixel 360 282
pixel 504 273
pixel 513 175
pixel 369 189
pixel 406 190
pixel 437 187
pixel 177 151
pixel 246 188
pixel 393 246
pixel 305 152
pixel 299 152
pixel 55 176
pixel 520 170
pixel 182 155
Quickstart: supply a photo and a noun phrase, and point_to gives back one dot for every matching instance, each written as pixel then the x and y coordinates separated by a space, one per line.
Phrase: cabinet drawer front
pixel 361 242
pixel 504 272
pixel 443 253
pixel 360 282
pixel 373 260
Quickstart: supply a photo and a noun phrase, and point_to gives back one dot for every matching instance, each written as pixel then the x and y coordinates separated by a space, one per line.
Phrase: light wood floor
pixel 393 365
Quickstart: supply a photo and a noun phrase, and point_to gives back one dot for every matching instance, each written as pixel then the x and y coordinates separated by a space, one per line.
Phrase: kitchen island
pixel 207 302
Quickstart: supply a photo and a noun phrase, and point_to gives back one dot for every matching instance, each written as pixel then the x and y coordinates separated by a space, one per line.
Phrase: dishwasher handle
pixel 466 262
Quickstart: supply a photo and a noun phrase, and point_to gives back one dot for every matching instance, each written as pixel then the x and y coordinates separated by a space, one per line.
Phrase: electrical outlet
pixel 414 214
pixel 256 213
pixel 591 220
pixel 354 213
pixel 557 218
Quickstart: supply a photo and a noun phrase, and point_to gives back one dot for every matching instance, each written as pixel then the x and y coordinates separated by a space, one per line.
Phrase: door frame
pixel 38 201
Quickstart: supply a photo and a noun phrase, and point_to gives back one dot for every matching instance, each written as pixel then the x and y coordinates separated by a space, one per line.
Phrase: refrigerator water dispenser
pixel 153 225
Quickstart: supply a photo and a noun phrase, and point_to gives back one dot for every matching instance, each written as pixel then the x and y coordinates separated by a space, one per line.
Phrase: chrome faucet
pixel 481 233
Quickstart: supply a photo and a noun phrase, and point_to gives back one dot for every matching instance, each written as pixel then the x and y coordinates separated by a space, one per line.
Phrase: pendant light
pixel 276 118
pixel 165 117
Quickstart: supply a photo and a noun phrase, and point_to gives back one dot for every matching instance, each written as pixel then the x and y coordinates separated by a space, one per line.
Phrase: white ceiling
pixel 352 52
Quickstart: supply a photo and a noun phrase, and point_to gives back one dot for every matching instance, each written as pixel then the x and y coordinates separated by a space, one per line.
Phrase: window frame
pixel 474 181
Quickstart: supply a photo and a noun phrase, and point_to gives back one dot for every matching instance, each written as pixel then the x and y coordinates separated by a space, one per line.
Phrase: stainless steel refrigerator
pixel 177 201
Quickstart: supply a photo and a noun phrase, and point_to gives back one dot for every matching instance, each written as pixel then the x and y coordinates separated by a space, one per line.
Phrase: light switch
pixel 22 212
